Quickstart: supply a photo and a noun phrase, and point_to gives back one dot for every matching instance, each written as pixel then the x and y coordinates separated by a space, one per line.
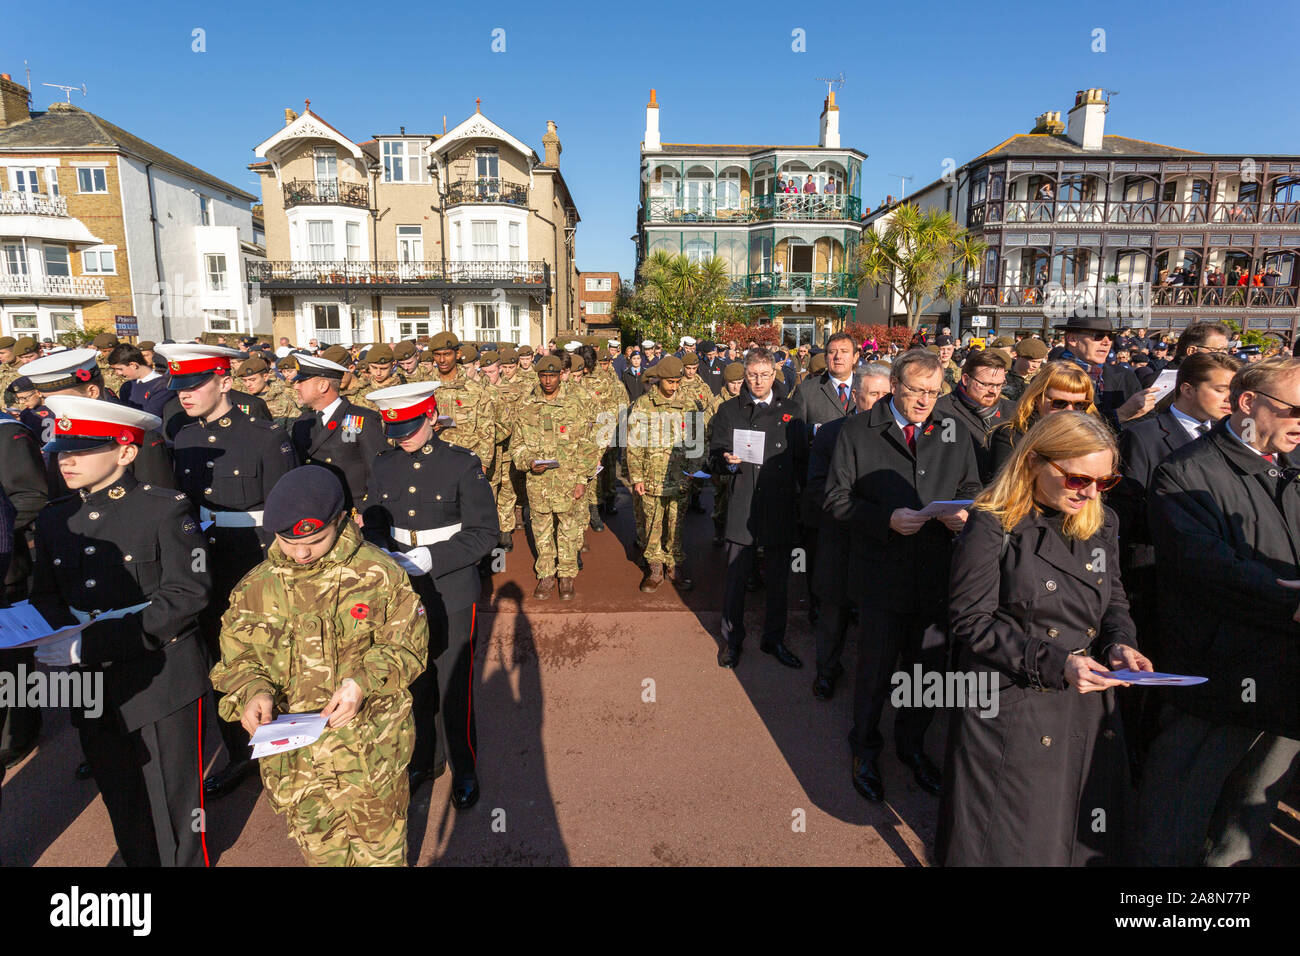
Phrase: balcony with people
pixel 1226 278
pixel 731 192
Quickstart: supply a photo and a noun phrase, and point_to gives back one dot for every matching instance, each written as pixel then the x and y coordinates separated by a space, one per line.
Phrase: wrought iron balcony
pixel 31 204
pixel 1233 297
pixel 807 285
pixel 393 276
pixel 796 206
pixel 487 190
pixel 326 192
pixel 1131 212
pixel 54 287
pixel 1132 298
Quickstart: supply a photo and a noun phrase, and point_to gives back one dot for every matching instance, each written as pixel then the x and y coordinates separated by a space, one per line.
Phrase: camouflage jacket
pixel 609 399
pixel 281 400
pixel 560 428
pixel 665 437
pixel 369 385
pixel 111 378
pixel 470 407
pixel 297 631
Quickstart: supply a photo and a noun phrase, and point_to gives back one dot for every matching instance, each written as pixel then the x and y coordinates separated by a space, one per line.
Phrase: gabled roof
pixel 306 126
pixel 1058 144
pixel 68 128
pixel 478 125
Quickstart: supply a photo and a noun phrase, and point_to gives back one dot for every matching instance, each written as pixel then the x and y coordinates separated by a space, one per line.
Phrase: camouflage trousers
pixel 721 496
pixel 607 480
pixel 504 477
pixel 352 827
pixel 660 523
pixel 558 536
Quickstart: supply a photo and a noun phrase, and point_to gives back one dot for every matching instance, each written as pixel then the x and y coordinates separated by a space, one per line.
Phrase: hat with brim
pixel 189 366
pixel 1088 323
pixel 314 366
pixel 63 370
pixel 405 408
pixel 82 423
pixel 303 502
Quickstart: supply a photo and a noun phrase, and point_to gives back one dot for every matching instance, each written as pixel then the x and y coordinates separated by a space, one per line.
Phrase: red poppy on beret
pixel 306 526
pixel 82 374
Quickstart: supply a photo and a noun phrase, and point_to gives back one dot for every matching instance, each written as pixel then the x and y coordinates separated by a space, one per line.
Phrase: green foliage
pixel 1250 336
pixel 922 256
pixel 674 297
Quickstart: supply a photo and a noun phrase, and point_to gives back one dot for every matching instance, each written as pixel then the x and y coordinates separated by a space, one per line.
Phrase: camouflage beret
pixel 690 358
pixel 379 353
pixel 509 356
pixel 576 363
pixel 490 357
pixel 466 354
pixel 443 340
pixel 106 340
pixel 26 346
pixel 547 363
pixel 734 372
pixel 817 364
pixel 1002 342
pixel 404 350
pixel 147 346
pixel 252 366
pixel 525 350
pixel 338 355
pixel 670 366
pixel 426 355
pixel 287 362
pixel 1031 348
pixel 8 342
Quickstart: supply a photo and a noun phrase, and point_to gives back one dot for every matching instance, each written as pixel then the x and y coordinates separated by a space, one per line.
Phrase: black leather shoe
pixel 927 775
pixel 595 522
pixel 464 792
pixel 222 783
pixel 866 779
pixel 417 777
pixel 83 771
pixel 782 653
pixel 729 656
pixel 824 687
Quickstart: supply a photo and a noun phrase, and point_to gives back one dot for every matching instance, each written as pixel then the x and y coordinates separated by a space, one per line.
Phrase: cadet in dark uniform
pixel 22 478
pixel 113 544
pixel 76 372
pixel 226 463
pixel 331 431
pixel 431 500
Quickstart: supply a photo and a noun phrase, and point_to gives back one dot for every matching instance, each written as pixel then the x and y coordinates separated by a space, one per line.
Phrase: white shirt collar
pixel 329 409
pixel 898 418
pixel 1192 426
pixel 1233 433
pixel 762 401
pixel 837 382
pixel 150 377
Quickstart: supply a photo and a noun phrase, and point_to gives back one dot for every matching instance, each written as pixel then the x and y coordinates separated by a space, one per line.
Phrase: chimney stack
pixel 651 138
pixel 551 145
pixel 1087 125
pixel 14 98
pixel 830 123
pixel 289 116
pixel 1049 122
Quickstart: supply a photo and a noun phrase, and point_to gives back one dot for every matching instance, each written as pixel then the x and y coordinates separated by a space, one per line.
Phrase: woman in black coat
pixel 1037 610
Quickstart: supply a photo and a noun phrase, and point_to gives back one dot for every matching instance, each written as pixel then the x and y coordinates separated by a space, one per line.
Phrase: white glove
pixel 415 562
pixel 60 653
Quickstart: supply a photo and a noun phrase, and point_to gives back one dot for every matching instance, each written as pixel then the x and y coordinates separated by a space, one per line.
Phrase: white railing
pixel 30 204
pixel 75 287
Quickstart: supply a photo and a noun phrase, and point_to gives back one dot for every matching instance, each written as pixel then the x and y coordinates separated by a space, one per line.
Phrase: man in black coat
pixel 978 404
pixel 633 378
pixel 762 509
pixel 1225 518
pixel 1119 396
pixel 890 466
pixel 711 366
pixel 331 431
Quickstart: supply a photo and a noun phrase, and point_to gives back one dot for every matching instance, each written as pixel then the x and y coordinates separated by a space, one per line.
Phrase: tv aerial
pixel 833 83
pixel 68 90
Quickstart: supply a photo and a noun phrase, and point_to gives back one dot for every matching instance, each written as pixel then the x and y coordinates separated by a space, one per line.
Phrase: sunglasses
pixel 1061 404
pixel 1288 410
pixel 1080 482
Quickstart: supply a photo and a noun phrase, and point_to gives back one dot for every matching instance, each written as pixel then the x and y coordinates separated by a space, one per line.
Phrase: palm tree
pixel 923 256
pixel 675 296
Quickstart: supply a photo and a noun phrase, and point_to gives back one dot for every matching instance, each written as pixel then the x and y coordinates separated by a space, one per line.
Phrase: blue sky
pixel 924 81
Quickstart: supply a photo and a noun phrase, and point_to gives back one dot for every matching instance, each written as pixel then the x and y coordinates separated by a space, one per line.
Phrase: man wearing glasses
pixel 895 474
pixel 1223 512
pixel 978 404
pixel 1120 397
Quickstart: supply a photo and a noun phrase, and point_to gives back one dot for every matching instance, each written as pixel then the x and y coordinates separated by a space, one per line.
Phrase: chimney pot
pixel 289 116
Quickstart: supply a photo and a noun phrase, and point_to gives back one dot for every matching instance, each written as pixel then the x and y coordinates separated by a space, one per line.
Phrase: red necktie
pixel 909 433
pixel 1269 458
pixel 844 396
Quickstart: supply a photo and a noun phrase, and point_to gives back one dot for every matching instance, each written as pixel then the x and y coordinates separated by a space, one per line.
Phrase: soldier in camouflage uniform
pixel 665 440
pixel 695 388
pixel 380 373
pixel 255 376
pixel 508 481
pixel 12 352
pixel 328 623
pixel 733 378
pixel 407 357
pixel 553 441
pixel 526 364
pixel 106 342
pixel 609 399
pixel 427 370
pixel 461 400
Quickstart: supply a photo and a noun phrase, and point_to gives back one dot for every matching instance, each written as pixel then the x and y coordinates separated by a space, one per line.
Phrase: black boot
pixel 596 523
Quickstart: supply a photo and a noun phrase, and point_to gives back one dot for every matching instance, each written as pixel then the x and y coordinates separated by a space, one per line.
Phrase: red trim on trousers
pixel 203 814
pixel 469 705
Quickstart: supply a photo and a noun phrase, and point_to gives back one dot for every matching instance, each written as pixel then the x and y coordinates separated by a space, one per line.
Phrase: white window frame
pixel 327 236
pixel 354 250
pixel 516 321
pixel 514 232
pixel 15 259
pixel 409 154
pixel 205 210
pixel 65 262
pixel 489 157
pixel 92 261
pixel 97 176
pixel 74 325
pixel 598 308
pixel 216 278
pixel 215 318
pixel 482 331
pixel 23 179
pixel 477 247
pixel 330 157
pixel 18 331
pixel 52 180
pixel 410 244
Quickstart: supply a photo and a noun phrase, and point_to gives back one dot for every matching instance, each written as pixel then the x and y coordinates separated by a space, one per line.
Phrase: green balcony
pixel 807 285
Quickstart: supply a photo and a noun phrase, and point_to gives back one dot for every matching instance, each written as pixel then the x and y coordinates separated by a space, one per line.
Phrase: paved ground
pixel 582 759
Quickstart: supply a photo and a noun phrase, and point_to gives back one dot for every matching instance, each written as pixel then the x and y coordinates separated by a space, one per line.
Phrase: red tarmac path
pixel 577 764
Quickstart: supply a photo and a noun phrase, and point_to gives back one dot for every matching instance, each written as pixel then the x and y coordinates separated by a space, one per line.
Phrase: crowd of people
pixel 309 531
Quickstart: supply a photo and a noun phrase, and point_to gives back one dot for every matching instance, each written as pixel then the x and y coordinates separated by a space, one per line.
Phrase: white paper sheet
pixel 1153 678
pixel 748 445
pixel 287 732
pixel 23 626
pixel 1165 381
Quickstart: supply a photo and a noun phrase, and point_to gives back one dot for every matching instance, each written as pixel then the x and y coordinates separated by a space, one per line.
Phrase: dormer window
pixel 403 161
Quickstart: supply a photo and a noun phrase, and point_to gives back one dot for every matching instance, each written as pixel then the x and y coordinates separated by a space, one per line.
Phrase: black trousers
pixel 832 627
pixel 884 638
pixel 151 780
pixel 443 696
pixel 776 574
pixel 808 541
pixel 22 725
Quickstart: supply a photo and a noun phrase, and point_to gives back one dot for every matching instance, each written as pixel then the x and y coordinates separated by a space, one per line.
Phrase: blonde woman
pixel 1058 387
pixel 1036 772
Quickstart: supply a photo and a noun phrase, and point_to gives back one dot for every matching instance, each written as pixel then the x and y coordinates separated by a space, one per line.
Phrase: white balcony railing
pixel 30 204
pixel 63 287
